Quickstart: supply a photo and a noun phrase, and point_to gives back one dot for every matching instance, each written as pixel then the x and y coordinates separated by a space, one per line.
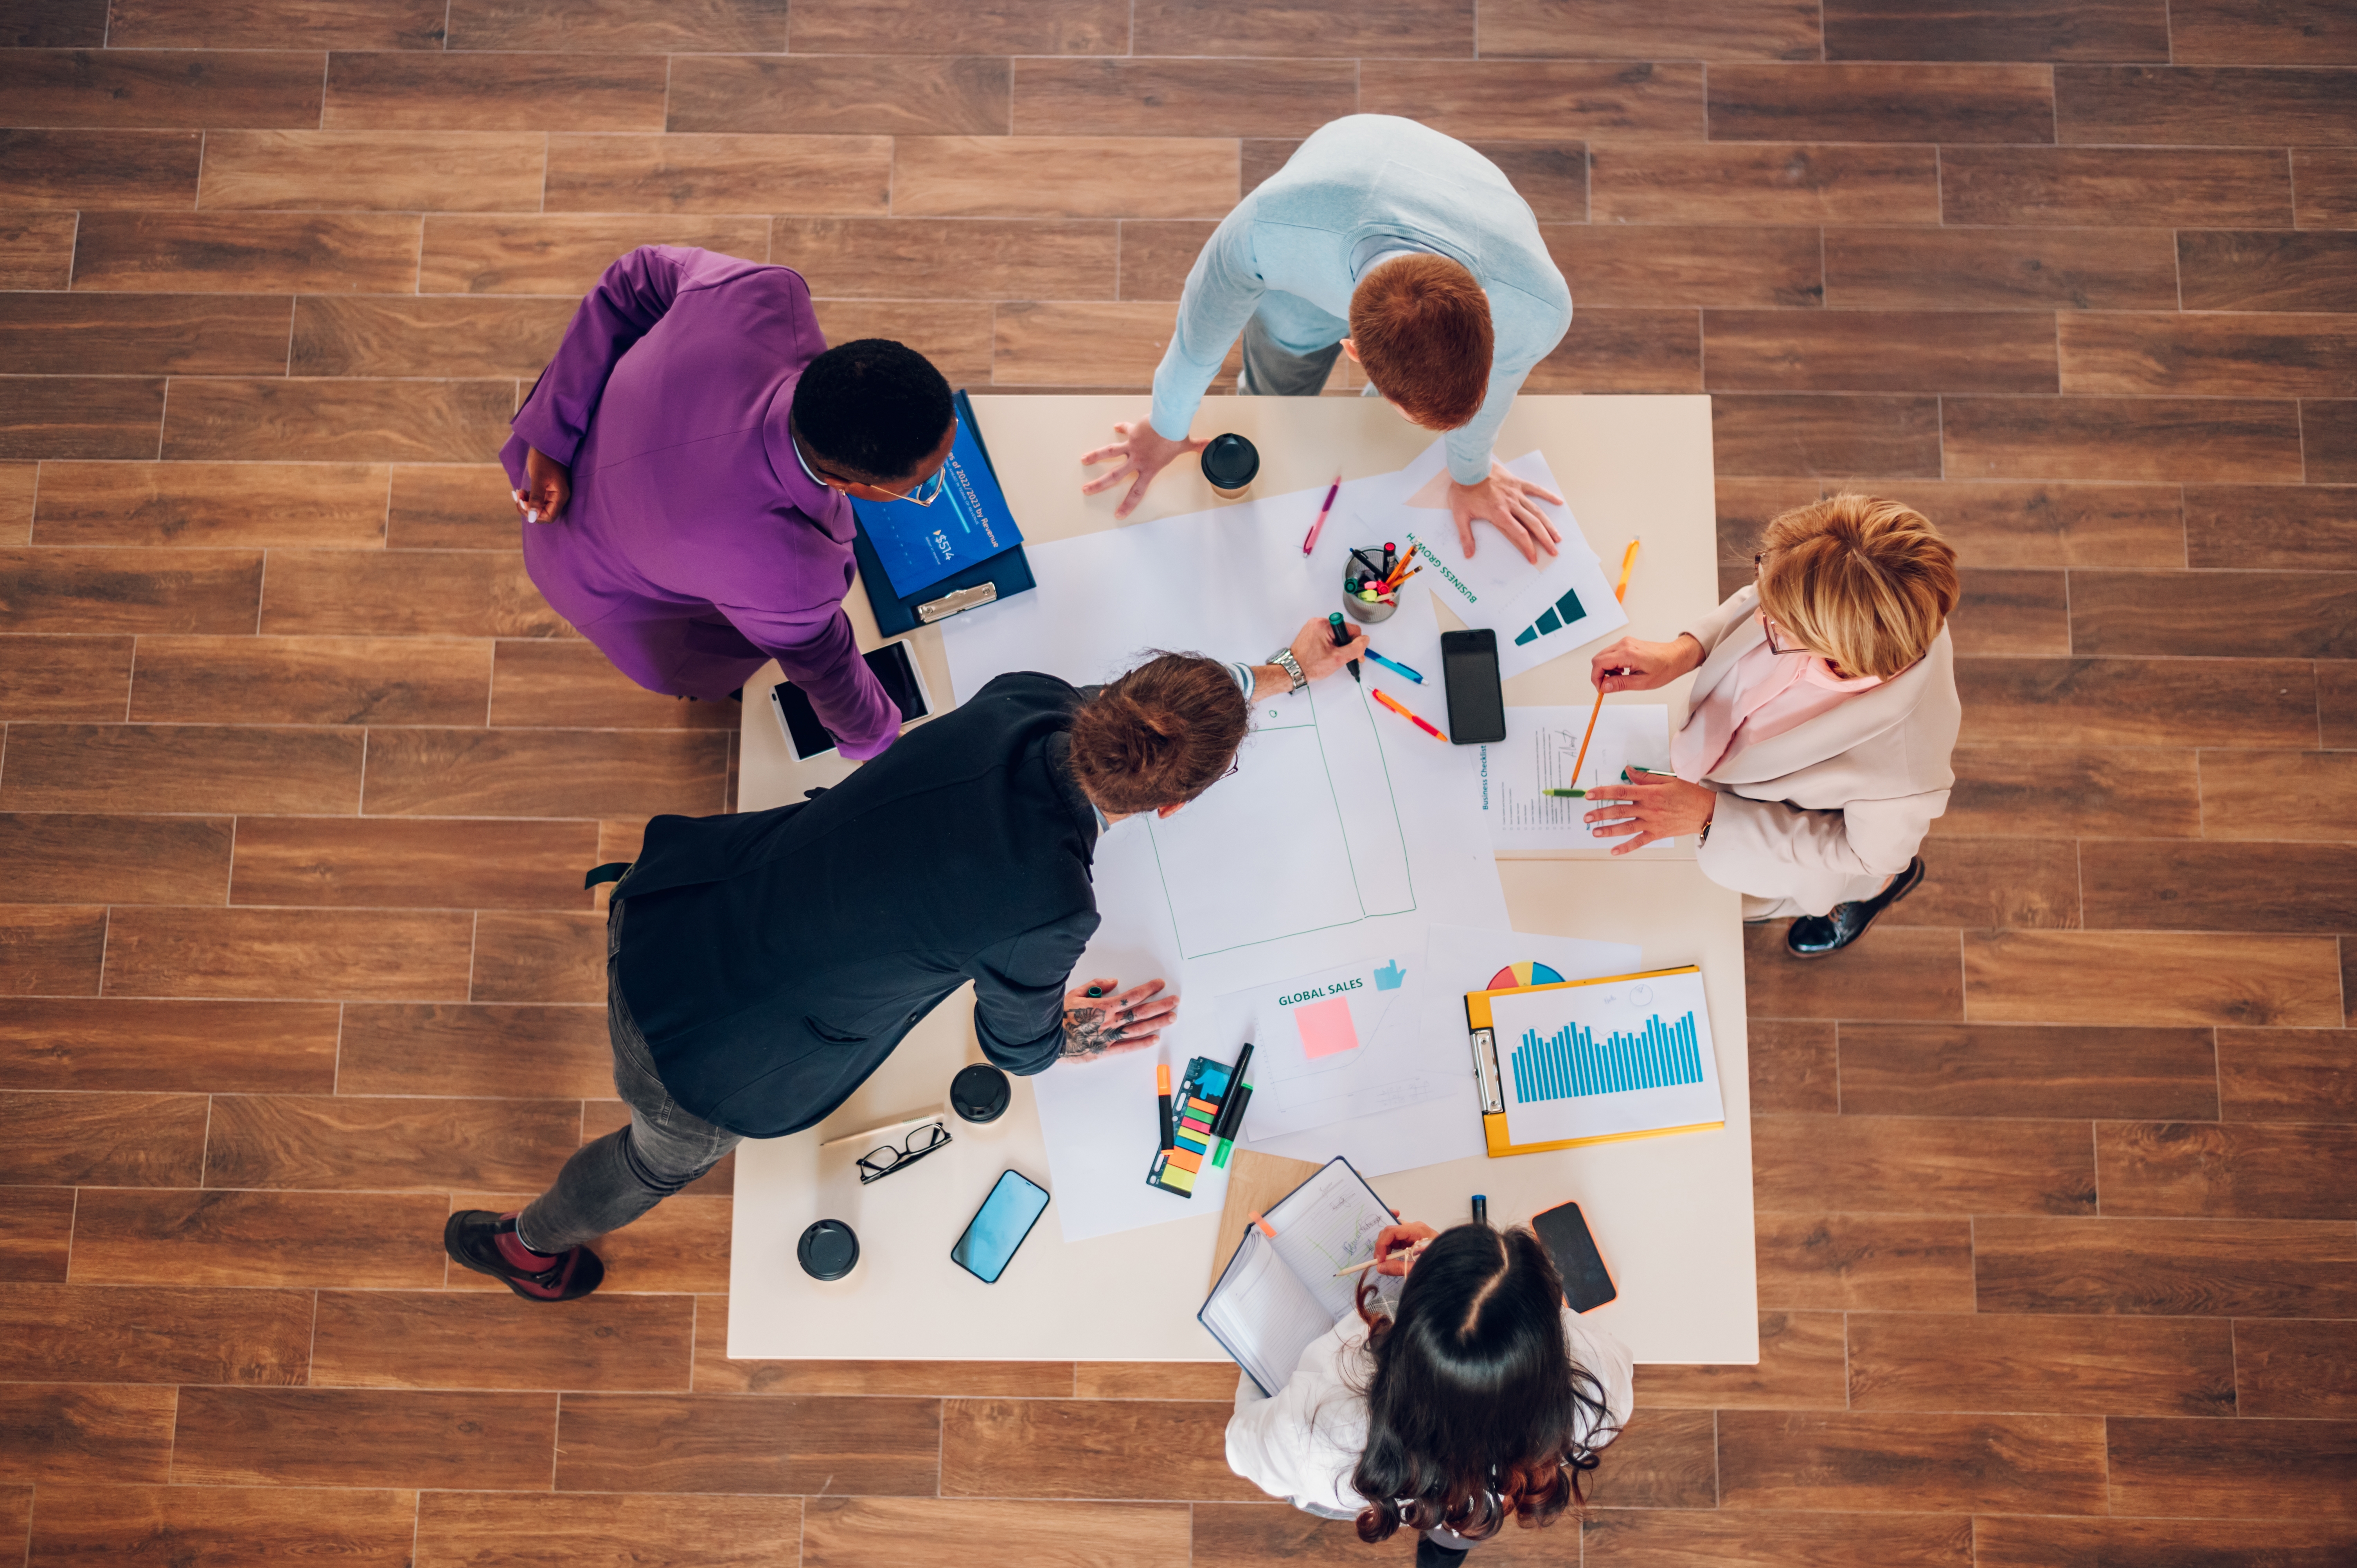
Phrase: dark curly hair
pixel 1159 735
pixel 871 408
pixel 1475 1409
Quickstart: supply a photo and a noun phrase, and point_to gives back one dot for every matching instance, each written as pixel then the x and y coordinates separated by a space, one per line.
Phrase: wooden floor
pixel 2056 1175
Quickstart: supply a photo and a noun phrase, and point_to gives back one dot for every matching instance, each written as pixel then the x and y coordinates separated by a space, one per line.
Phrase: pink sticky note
pixel 1326 1027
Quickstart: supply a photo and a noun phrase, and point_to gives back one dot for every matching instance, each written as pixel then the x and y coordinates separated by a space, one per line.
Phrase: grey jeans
pixel 613 1180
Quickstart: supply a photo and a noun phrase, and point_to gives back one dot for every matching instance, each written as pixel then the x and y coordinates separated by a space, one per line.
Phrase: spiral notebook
pixel 1277 1296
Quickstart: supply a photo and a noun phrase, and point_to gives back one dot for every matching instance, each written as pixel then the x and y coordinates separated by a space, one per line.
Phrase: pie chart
pixel 1515 974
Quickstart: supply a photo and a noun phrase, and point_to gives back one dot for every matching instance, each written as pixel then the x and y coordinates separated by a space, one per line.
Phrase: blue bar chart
pixel 1572 1063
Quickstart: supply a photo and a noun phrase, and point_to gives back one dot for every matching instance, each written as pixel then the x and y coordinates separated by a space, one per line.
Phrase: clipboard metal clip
pixel 949 605
pixel 1485 1071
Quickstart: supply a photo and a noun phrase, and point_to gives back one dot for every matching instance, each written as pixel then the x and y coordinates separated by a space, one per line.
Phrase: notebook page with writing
pixel 1329 1223
pixel 1262 1315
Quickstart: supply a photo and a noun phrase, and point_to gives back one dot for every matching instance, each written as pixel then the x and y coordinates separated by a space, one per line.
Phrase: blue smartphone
pixel 999 1226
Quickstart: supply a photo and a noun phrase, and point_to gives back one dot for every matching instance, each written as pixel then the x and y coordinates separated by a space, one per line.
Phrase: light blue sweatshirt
pixel 1359 190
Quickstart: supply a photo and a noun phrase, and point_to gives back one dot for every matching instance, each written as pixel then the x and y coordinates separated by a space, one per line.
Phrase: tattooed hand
pixel 1094 1025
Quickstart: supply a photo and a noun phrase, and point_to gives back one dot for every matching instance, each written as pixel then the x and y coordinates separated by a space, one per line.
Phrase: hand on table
pixel 1505 502
pixel 1144 452
pixel 1398 1246
pixel 1101 1026
pixel 547 486
pixel 1661 808
pixel 1633 664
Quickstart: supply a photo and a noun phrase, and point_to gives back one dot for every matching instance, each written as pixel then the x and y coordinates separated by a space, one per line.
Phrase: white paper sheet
pixel 1593 1061
pixel 1346 831
pixel 1538 754
pixel 1334 1044
pixel 1460 959
pixel 1531 607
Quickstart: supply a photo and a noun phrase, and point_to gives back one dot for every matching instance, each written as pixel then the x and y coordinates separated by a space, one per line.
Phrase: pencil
pixel 1385 699
pixel 1595 714
pixel 1628 563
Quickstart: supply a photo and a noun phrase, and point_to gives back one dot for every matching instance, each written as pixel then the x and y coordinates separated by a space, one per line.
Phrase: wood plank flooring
pixel 2057 1255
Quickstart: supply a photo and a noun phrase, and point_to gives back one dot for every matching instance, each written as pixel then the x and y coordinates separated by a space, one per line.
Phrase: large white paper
pixel 1537 755
pixel 1606 1060
pixel 1345 832
pixel 1540 611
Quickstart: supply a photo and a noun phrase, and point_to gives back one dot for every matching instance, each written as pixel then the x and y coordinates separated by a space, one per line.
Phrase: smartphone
pixel 1477 704
pixel 999 1226
pixel 1564 1233
pixel 895 672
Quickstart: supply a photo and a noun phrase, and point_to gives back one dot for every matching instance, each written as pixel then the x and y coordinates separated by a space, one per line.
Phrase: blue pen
pixel 1394 666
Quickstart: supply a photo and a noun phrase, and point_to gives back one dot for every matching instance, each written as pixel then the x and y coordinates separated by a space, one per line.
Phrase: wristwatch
pixel 1284 659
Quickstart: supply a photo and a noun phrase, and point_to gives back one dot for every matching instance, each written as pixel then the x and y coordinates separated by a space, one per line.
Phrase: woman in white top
pixel 1479 1397
pixel 1824 712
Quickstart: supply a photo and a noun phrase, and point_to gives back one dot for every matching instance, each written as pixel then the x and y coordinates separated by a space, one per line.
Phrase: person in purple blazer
pixel 682 468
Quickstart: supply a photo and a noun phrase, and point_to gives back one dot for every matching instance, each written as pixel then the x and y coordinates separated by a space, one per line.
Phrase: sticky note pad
pixel 1205 1106
pixel 1182 1181
pixel 1197 1145
pixel 1184 1160
pixel 1326 1027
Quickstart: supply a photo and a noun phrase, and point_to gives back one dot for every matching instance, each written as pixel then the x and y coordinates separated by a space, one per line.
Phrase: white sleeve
pixel 1287 1445
pixel 1600 1351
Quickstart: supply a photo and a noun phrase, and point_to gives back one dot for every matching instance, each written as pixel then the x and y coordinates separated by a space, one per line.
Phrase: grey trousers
pixel 611 1181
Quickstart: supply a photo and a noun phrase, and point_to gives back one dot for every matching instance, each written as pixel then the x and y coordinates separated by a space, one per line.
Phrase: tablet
pixel 894 669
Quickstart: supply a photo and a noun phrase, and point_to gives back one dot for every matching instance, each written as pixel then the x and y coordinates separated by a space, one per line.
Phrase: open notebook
pixel 1275 1298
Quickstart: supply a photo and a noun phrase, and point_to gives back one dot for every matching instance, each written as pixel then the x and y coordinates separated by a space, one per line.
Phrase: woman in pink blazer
pixel 1822 715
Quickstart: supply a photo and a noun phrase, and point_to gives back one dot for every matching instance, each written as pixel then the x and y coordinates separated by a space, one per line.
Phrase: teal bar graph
pixel 1571 1064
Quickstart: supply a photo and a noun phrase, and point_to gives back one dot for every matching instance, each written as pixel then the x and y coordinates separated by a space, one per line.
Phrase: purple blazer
pixel 695 547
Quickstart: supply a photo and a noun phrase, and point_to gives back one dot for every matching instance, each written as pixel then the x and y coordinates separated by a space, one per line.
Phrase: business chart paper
pixel 1608 1059
pixel 1540 610
pixel 1541 745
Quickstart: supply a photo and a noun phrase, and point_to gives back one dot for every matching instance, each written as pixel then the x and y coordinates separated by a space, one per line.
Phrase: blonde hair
pixel 1863 581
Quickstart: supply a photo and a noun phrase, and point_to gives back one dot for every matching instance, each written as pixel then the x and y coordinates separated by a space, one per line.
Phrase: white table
pixel 1672 1215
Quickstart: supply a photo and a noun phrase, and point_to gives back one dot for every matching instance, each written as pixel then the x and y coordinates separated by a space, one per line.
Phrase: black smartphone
pixel 895 672
pixel 999 1226
pixel 1564 1233
pixel 1469 668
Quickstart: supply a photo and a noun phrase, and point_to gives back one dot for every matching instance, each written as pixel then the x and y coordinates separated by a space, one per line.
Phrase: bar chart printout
pixel 1571 1063
pixel 1607 1058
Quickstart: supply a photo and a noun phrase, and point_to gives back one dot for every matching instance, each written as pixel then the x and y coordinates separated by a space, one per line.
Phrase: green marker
pixel 1567 794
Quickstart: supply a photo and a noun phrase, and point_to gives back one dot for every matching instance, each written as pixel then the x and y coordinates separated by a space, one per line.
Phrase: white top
pixel 1303 1443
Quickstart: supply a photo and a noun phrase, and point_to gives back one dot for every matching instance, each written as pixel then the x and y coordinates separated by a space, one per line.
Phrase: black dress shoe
pixel 1430 1554
pixel 1818 935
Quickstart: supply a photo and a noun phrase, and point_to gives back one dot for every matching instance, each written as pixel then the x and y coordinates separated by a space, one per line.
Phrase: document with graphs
pixel 1586 1061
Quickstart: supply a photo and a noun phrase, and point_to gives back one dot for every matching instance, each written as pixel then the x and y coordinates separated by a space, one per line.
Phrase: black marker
pixel 1481 1208
pixel 1342 639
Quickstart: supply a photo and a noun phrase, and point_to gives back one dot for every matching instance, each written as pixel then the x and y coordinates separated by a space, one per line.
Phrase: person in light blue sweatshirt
pixel 1407 250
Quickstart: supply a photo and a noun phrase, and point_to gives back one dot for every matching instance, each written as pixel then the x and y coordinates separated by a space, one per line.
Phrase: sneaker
pixel 472 1238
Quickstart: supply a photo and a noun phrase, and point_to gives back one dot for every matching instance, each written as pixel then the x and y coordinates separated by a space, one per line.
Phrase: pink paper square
pixel 1326 1027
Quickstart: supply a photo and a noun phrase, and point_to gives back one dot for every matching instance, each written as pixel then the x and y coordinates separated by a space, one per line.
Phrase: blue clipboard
pixel 1000 576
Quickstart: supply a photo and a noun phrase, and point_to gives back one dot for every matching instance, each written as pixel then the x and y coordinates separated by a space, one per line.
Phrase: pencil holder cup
pixel 1230 463
pixel 1356 608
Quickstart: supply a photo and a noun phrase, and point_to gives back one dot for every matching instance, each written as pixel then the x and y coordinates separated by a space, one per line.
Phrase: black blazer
pixel 773 958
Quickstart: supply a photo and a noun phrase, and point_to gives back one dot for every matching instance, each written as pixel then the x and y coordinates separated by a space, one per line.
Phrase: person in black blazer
pixel 760 966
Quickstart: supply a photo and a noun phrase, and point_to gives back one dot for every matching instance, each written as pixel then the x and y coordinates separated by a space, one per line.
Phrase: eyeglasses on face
pixel 927 490
pixel 879 1163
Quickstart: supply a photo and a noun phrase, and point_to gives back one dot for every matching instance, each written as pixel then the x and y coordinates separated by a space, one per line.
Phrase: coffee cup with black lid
pixel 1230 463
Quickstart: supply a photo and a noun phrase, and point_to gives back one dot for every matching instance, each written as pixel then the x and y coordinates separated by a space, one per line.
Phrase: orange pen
pixel 1385 699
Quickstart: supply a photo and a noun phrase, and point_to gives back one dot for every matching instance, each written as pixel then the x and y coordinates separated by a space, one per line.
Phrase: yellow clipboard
pixel 1483 1037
